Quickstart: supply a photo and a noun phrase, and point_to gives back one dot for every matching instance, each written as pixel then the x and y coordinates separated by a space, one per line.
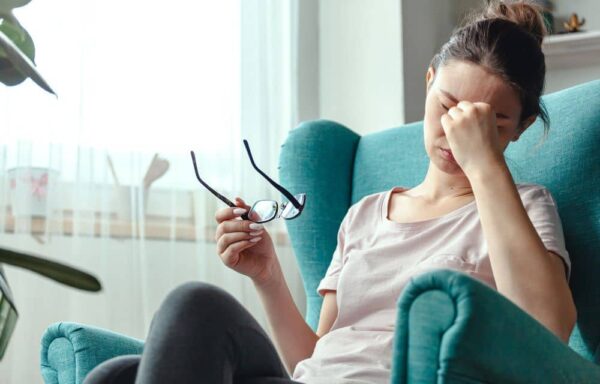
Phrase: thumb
pixel 240 203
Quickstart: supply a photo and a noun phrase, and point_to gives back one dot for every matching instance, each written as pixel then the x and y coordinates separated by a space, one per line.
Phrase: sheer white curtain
pixel 135 79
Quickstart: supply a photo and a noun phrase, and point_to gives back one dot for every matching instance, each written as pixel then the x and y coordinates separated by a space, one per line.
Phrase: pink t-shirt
pixel 375 259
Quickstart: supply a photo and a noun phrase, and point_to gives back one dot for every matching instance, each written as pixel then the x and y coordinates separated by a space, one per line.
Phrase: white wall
pixel 307 32
pixel 360 63
pixel 426 26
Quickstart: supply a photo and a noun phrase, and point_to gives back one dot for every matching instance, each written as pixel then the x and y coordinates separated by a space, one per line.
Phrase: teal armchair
pixel 450 327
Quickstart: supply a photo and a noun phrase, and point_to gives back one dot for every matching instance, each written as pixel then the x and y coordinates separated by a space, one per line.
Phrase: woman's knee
pixel 118 370
pixel 199 297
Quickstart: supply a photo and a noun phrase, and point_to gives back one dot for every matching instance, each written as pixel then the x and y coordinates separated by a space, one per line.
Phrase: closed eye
pixel 443 106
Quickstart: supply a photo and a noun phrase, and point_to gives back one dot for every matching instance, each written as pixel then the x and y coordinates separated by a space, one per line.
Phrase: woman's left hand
pixel 472 135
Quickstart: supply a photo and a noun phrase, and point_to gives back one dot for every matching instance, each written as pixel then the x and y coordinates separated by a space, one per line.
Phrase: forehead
pixel 472 82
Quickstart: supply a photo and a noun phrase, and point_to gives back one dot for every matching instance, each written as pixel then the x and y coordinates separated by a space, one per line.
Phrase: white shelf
pixel 571 43
pixel 572 50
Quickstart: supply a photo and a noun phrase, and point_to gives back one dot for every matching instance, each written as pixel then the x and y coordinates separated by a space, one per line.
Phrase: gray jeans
pixel 200 334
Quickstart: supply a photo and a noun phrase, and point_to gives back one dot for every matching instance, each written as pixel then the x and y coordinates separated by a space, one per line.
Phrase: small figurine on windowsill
pixel 573 24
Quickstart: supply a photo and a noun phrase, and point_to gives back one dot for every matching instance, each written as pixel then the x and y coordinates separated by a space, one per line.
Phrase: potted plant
pixel 17 53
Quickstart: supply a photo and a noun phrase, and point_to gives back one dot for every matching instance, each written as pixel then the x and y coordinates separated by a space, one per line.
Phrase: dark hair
pixel 506 38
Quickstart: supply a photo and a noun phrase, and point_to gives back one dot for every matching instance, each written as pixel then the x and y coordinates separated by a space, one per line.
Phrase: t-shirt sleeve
pixel 330 280
pixel 543 213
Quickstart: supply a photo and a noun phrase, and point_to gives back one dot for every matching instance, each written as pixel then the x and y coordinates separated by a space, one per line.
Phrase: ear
pixel 523 126
pixel 429 76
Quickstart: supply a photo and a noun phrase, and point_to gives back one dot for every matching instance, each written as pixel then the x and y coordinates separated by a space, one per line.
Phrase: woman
pixel 483 91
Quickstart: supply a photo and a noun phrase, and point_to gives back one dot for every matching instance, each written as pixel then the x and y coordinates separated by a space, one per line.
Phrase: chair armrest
pixel 317 158
pixel 452 328
pixel 70 350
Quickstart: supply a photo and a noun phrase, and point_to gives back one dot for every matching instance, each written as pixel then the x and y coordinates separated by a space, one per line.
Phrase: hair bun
pixel 527 14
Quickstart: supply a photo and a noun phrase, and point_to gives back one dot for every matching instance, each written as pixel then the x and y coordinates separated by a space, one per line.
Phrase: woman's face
pixel 459 80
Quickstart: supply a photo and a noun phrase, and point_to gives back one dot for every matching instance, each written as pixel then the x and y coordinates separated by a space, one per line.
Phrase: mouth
pixel 447 153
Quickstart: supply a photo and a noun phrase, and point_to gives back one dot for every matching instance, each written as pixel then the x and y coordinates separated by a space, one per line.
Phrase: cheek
pixel 506 133
pixel 433 114
pixel 434 125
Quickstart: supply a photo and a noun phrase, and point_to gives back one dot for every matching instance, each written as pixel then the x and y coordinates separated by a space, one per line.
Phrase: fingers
pixel 468 107
pixel 455 113
pixel 227 213
pixel 465 105
pixel 231 238
pixel 483 106
pixel 231 226
pixel 232 255
pixel 231 244
pixel 240 203
pixel 446 120
pixel 252 215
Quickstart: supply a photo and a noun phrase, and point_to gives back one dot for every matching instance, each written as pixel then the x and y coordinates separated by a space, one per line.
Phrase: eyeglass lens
pixel 289 211
pixel 265 210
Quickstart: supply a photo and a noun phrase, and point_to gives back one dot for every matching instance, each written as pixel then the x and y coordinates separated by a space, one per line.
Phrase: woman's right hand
pixel 256 260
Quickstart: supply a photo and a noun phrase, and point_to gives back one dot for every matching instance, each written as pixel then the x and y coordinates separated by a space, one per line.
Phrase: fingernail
pixel 256 233
pixel 256 226
pixel 239 211
pixel 254 240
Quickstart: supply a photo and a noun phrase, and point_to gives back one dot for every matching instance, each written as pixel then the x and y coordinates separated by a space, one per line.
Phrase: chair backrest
pixel 335 167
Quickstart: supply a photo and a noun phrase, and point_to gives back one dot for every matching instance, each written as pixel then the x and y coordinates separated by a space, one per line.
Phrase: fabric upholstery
pixel 70 350
pixel 452 328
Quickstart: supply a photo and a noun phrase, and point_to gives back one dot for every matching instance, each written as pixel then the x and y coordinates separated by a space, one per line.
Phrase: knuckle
pixel 227 258
pixel 224 240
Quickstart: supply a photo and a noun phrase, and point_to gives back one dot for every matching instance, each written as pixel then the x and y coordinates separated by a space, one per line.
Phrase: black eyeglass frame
pixel 299 206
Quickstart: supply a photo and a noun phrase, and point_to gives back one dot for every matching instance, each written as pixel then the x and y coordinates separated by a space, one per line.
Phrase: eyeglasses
pixel 262 210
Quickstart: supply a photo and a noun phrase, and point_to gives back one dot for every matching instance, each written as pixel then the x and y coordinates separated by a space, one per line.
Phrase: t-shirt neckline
pixel 416 224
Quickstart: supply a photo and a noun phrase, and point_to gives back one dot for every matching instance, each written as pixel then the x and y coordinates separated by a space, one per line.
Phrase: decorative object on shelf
pixel 28 188
pixel 17 53
pixel 573 24
pixel 157 168
pixel 128 196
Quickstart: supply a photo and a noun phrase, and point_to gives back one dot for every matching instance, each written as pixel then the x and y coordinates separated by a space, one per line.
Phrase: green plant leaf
pixel 56 271
pixel 9 75
pixel 6 6
pixel 8 321
pixel 17 53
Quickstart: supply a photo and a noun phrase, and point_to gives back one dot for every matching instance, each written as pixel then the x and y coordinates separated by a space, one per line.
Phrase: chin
pixel 448 166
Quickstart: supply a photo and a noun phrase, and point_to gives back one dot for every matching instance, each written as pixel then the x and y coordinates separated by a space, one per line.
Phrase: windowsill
pixel 155 228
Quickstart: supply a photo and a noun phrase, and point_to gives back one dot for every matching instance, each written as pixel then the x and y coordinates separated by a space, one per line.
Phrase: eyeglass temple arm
pixel 287 194
pixel 223 198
